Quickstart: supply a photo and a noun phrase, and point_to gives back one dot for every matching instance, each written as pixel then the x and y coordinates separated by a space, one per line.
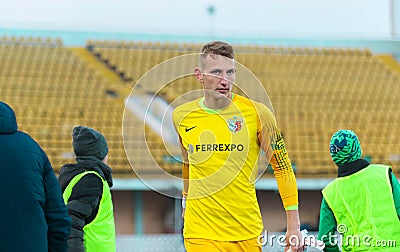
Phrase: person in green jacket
pixel 86 191
pixel 362 204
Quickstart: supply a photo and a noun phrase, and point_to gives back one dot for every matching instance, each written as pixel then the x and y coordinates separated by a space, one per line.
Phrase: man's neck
pixel 221 103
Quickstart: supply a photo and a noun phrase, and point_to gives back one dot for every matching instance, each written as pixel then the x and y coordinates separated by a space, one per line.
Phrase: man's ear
pixel 198 74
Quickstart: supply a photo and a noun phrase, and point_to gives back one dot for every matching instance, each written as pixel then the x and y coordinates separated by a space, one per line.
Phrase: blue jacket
pixel 33 215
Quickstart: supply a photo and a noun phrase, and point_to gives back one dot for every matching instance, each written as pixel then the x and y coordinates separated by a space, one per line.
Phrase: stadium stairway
pixel 106 72
pixel 133 139
pixel 390 62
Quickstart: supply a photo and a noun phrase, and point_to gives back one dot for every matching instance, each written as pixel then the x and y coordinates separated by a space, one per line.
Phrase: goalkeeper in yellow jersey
pixel 221 136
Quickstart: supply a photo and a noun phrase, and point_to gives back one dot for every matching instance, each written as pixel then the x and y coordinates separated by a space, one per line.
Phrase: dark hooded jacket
pixel 83 204
pixel 33 214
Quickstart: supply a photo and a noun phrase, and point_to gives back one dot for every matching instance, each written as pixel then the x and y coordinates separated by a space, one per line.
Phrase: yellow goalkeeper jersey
pixel 223 147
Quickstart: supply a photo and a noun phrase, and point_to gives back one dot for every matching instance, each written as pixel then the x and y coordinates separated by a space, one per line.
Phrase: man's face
pixel 217 74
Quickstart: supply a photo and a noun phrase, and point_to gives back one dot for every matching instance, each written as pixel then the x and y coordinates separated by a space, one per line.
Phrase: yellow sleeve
pixel 284 174
pixel 185 177
pixel 272 143
pixel 185 170
pixel 185 161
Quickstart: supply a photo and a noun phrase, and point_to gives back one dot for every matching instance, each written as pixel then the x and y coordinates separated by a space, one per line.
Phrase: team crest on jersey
pixel 235 124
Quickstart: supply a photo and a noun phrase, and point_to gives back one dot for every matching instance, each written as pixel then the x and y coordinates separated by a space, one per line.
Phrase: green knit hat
pixel 89 142
pixel 345 147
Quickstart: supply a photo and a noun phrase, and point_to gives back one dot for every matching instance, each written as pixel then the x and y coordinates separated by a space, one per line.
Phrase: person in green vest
pixel 86 191
pixel 362 204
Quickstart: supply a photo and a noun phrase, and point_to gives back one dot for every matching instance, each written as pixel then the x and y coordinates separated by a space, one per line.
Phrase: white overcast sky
pixel 343 18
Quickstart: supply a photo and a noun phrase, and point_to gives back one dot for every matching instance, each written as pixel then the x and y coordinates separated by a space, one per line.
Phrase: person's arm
pixel 327 228
pixel 294 239
pixel 396 192
pixel 284 174
pixel 272 143
pixel 57 218
pixel 185 177
pixel 83 204
pixel 287 188
pixel 185 162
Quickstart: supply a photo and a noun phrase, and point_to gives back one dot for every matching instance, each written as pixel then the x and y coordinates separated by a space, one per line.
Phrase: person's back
pixel 33 214
pixel 360 213
pixel 86 191
pixel 363 202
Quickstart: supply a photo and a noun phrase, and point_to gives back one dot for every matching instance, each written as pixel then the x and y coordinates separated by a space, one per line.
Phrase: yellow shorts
pixel 202 245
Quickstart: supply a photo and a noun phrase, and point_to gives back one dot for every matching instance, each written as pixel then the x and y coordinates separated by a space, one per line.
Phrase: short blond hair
pixel 216 48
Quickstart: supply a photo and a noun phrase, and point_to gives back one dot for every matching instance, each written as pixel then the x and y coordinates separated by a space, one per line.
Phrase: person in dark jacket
pixel 33 215
pixel 86 191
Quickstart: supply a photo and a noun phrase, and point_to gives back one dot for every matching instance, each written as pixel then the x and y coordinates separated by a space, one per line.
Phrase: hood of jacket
pixel 68 171
pixel 8 121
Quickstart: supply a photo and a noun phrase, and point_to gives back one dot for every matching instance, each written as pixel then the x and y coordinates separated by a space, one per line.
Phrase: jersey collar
pixel 211 111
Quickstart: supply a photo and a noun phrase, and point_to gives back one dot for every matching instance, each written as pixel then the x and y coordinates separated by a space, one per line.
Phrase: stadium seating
pixel 133 60
pixel 51 90
pixel 314 92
